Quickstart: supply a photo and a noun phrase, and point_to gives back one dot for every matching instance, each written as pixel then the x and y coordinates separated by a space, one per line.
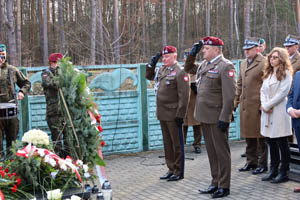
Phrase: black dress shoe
pixel 211 189
pixel 280 178
pixel 175 177
pixel 166 176
pixel 243 155
pixel 221 192
pixel 197 150
pixel 247 167
pixel 260 170
pixel 272 174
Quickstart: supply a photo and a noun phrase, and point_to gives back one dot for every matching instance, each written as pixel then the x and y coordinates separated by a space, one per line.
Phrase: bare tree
pixel 116 32
pixel 298 16
pixel 19 38
pixel 274 24
pixel 231 29
pixel 247 31
pixel 182 28
pixel 45 33
pixel 236 29
pixel 264 17
pixel 101 37
pixel 61 27
pixel 164 23
pixel 93 32
pixel 207 17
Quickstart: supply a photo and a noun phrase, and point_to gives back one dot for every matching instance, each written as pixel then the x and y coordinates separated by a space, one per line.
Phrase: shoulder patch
pixel 231 73
pixel 186 78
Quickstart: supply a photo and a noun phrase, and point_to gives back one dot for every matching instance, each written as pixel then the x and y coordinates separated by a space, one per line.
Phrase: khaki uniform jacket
pixel 248 96
pixel 296 62
pixel 172 93
pixel 189 119
pixel 18 78
pixel 216 87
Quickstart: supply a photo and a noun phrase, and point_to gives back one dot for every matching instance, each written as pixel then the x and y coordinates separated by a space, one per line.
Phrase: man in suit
pixel 291 44
pixel 248 96
pixel 216 84
pixel 293 109
pixel 172 93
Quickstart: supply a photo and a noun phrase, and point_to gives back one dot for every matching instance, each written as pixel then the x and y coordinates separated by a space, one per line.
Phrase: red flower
pixel 18 181
pixel 14 188
pixel 6 170
pixel 68 157
pixel 98 117
pixel 102 143
pixel 1 168
pixel 2 173
pixel 100 129
pixel 14 174
pixel 9 175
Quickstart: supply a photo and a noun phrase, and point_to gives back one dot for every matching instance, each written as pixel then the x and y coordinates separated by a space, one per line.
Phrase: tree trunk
pixel 207 17
pixel 45 33
pixel 164 23
pixel 53 41
pixel 182 29
pixel 61 27
pixel 19 38
pixel 236 29
pixel 298 16
pixel 264 18
pixel 143 30
pixel 101 37
pixel 231 30
pixel 116 32
pixel 93 32
pixel 247 30
pixel 274 24
pixel 40 17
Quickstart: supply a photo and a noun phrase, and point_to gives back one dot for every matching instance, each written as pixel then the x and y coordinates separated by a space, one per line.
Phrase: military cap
pixel 2 47
pixel 168 49
pixel 212 41
pixel 291 40
pixel 262 41
pixel 251 42
pixel 54 57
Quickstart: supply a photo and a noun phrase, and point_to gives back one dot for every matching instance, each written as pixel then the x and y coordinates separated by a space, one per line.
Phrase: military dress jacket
pixel 51 92
pixel 296 62
pixel 216 85
pixel 248 96
pixel 18 78
pixel 172 91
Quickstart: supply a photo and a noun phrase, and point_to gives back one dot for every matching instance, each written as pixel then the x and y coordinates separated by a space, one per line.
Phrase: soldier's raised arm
pixel 189 65
pixel 150 70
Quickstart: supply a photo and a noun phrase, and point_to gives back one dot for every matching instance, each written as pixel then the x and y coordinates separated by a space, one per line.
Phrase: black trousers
pixel 280 153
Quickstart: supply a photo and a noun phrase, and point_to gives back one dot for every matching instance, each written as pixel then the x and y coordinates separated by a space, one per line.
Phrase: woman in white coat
pixel 275 121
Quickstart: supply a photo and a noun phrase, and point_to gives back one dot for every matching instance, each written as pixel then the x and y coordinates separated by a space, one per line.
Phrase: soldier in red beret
pixel 172 93
pixel 54 117
pixel 216 84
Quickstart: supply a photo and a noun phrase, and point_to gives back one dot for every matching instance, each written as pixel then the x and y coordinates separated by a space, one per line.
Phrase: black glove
pixel 154 60
pixel 223 126
pixel 179 121
pixel 194 87
pixel 196 48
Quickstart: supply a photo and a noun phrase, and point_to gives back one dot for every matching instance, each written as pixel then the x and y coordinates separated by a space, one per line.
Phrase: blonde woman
pixel 275 122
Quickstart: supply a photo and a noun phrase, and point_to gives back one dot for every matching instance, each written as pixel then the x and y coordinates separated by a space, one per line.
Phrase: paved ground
pixel 136 177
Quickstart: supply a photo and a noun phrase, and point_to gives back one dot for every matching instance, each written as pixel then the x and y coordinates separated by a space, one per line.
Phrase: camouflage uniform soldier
pixel 9 76
pixel 54 117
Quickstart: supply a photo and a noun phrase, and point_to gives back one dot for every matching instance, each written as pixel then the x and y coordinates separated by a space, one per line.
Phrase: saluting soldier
pixel 9 76
pixel 172 93
pixel 291 44
pixel 216 84
pixel 248 96
pixel 54 117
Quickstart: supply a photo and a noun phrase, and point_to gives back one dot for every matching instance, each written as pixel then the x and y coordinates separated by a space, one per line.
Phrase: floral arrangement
pixel 35 137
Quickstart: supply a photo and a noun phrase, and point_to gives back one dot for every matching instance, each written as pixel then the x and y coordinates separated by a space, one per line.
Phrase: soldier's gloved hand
pixel 154 60
pixel 196 48
pixel 194 87
pixel 179 121
pixel 223 126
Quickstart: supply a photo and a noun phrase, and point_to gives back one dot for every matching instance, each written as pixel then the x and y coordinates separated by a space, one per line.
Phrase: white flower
pixel 63 167
pixel 68 160
pixel 41 152
pixel 35 137
pixel 79 162
pixel 54 194
pixel 47 159
pixel 85 168
pixel 53 174
pixel 52 162
pixel 87 175
pixel 74 197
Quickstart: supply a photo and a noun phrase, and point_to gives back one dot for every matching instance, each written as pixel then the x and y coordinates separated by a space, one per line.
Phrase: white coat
pixel 273 94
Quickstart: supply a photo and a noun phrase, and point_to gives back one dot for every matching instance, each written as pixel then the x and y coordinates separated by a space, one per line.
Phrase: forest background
pixel 131 31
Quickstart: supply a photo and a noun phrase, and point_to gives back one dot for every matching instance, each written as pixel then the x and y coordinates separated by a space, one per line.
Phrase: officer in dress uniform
pixel 248 97
pixel 216 84
pixel 172 93
pixel 9 76
pixel 291 44
pixel 54 117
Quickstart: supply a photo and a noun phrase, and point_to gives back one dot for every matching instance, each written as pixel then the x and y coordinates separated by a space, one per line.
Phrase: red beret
pixel 213 41
pixel 55 56
pixel 168 49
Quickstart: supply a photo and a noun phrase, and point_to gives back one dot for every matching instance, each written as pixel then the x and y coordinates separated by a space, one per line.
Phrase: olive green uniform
pixel 10 127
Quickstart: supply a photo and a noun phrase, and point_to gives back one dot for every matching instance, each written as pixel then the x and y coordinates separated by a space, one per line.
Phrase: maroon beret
pixel 55 56
pixel 213 41
pixel 168 49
